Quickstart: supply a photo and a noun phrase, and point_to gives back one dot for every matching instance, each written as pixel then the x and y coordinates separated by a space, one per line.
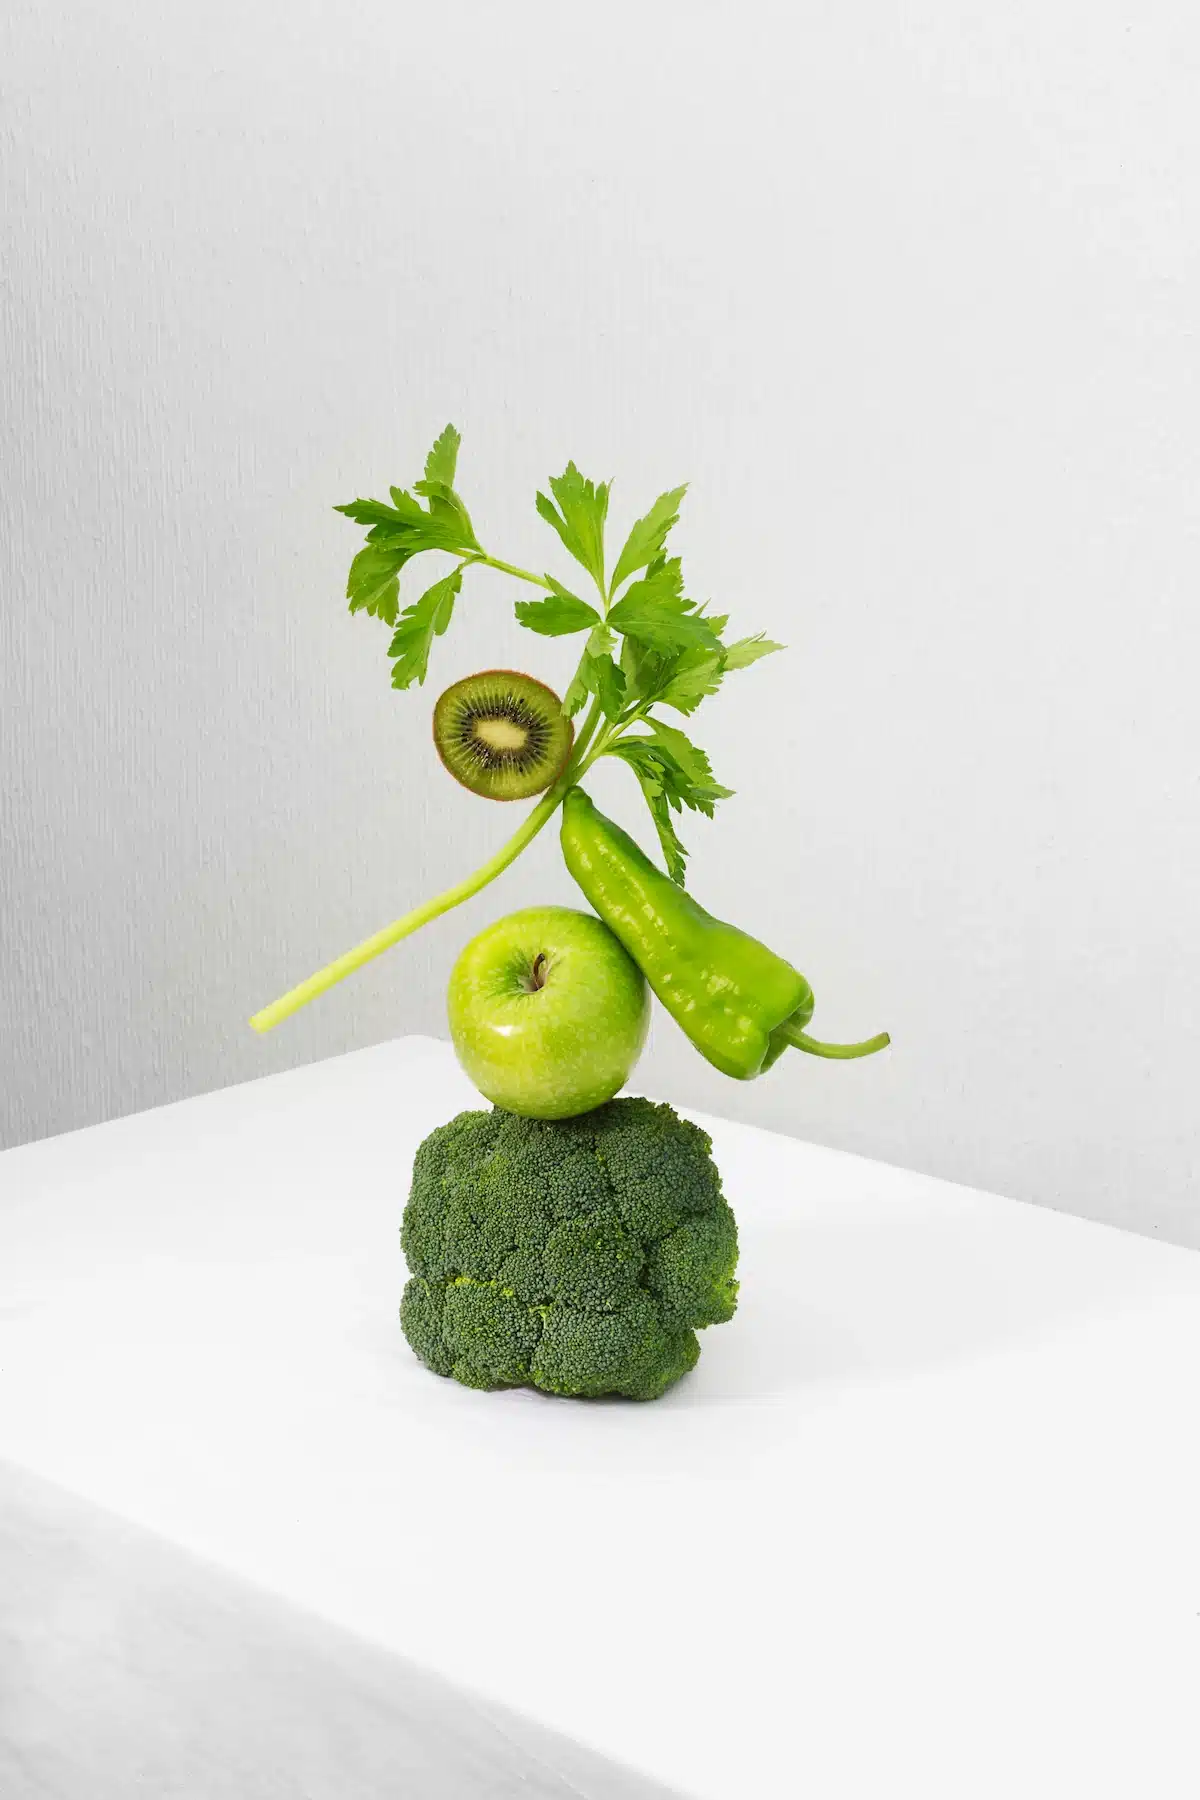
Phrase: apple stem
pixel 374 946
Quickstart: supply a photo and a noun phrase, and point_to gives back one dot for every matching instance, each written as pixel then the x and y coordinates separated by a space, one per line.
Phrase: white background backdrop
pixel 909 294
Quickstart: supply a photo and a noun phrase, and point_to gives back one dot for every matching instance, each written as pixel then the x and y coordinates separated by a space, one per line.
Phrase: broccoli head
pixel 578 1256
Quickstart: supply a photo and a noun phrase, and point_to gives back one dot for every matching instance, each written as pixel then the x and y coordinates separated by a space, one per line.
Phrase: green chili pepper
pixel 739 1003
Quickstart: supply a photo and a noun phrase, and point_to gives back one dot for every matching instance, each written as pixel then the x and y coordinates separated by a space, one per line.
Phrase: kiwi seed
pixel 502 734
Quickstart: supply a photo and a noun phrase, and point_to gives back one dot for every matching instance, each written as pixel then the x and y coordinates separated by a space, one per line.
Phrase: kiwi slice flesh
pixel 502 734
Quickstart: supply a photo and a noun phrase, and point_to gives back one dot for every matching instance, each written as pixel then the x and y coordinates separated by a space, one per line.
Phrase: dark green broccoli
pixel 576 1255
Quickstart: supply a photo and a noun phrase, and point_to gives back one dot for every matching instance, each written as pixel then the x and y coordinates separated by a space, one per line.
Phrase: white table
pixel 925 1519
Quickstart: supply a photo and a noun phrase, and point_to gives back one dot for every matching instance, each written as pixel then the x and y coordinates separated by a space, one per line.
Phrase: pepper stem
pixel 840 1052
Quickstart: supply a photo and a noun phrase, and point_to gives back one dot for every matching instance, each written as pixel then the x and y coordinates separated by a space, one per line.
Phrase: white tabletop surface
pixel 924 1520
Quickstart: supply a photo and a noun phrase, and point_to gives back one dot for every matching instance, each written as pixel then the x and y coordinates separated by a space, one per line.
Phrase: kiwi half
pixel 502 734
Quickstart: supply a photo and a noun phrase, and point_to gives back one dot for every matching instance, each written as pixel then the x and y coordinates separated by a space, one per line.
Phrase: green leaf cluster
pixel 649 645
pixel 578 517
pixel 559 614
pixel 418 626
pixel 672 773
pixel 399 531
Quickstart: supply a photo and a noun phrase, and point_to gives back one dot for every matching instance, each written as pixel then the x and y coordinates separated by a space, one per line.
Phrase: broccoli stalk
pixel 578 1256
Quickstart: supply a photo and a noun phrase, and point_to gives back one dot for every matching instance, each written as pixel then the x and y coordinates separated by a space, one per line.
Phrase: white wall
pixel 909 294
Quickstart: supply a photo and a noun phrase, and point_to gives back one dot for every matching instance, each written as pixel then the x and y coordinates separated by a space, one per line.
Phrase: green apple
pixel 548 1012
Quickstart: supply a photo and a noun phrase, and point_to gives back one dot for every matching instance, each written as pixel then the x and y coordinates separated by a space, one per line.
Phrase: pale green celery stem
pixel 344 965
pixel 506 568
pixel 587 731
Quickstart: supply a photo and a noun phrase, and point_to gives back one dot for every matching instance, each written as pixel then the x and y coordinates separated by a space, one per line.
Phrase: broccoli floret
pixel 579 1256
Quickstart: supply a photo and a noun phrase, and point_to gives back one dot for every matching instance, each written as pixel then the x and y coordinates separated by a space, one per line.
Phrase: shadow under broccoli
pixel 578 1256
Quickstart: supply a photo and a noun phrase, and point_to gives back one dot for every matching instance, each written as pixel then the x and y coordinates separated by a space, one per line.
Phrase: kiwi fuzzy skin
pixel 517 675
